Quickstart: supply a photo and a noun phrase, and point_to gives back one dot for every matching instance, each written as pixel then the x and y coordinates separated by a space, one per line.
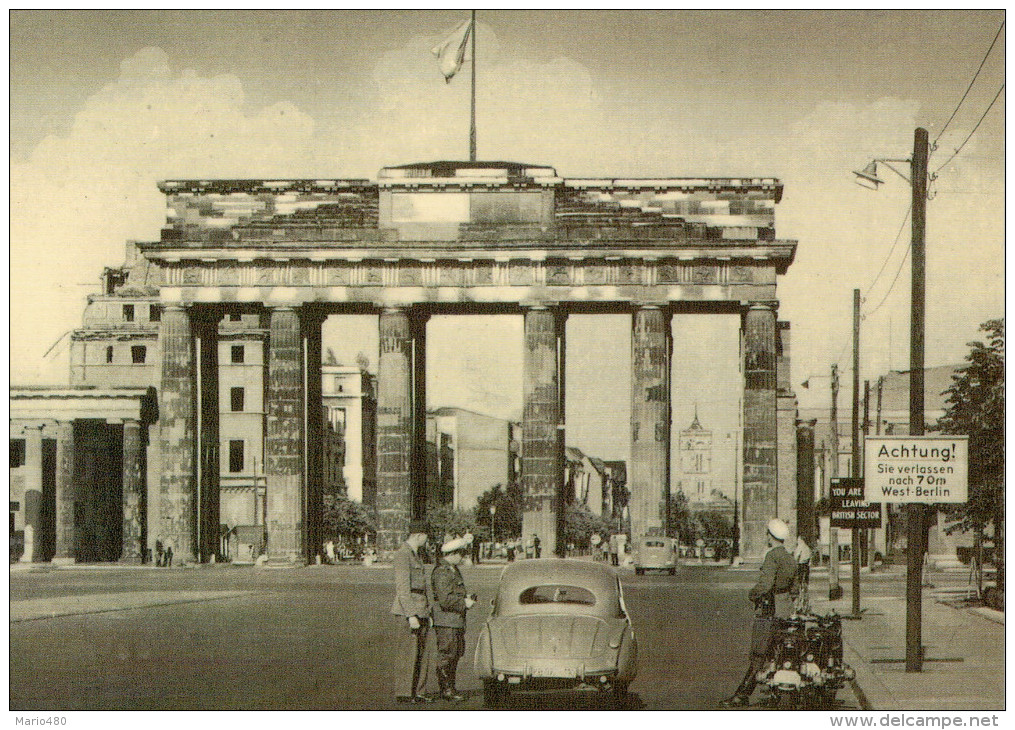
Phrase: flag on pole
pixel 451 52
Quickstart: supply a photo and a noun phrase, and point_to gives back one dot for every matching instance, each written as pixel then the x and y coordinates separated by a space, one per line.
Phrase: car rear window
pixel 556 593
pixel 654 543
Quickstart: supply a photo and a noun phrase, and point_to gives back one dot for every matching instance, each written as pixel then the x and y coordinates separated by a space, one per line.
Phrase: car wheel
pixel 493 695
pixel 673 571
pixel 639 571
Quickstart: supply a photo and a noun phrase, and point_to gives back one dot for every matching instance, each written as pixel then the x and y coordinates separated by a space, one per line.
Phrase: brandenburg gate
pixel 446 238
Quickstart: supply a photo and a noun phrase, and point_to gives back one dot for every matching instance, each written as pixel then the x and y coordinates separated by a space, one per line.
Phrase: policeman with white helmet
pixel 449 607
pixel 773 598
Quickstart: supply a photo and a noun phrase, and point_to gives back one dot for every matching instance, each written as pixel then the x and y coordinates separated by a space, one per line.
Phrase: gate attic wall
pixel 475 237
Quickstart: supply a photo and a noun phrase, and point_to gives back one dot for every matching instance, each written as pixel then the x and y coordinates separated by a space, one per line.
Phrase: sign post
pixel 850 510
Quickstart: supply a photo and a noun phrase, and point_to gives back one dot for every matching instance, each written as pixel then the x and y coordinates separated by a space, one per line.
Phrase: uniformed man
pixel 412 612
pixel 449 607
pixel 773 598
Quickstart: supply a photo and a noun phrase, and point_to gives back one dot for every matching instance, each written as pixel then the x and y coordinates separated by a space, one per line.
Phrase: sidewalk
pixel 963 667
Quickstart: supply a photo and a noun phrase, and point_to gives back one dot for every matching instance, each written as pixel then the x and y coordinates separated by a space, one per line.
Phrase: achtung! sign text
pixel 916 469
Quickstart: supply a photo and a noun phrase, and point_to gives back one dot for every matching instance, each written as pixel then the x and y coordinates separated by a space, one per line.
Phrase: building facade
pixel 475 454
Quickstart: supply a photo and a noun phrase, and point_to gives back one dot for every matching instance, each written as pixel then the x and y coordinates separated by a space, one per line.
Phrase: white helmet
pixel 778 529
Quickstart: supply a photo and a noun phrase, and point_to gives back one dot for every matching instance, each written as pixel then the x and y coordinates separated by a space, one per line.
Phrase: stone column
pixel 542 475
pixel 805 524
pixel 177 433
pixel 205 328
pixel 134 538
pixel 284 444
pixel 394 430
pixel 33 495
pixel 314 430
pixel 648 476
pixel 417 449
pixel 65 493
pixel 760 492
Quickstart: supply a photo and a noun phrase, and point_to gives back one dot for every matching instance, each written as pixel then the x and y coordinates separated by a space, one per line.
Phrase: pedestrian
pixel 411 609
pixel 536 545
pixel 329 550
pixel 475 552
pixel 802 555
pixel 614 549
pixel 449 608
pixel 159 552
pixel 167 555
pixel 772 599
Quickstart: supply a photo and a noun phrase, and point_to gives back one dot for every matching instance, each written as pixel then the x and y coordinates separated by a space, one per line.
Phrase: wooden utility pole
pixel 834 589
pixel 915 531
pixel 854 552
pixel 472 116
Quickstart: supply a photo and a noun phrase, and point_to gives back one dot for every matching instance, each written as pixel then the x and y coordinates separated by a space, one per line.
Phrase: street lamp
pixel 493 524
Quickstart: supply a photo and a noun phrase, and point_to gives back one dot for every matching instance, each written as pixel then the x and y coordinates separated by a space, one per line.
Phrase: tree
pixel 680 521
pixel 715 525
pixel 975 407
pixel 580 523
pixel 509 509
pixel 444 520
pixel 345 520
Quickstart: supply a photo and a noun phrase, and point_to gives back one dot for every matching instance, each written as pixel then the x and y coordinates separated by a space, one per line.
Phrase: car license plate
pixel 555 671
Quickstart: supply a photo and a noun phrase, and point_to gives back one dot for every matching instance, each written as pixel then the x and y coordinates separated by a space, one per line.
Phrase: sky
pixel 106 103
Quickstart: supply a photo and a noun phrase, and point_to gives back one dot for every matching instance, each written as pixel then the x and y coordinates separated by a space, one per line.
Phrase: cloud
pixel 81 196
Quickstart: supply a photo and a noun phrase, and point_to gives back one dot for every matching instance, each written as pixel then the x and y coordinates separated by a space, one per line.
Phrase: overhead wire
pixel 982 117
pixel 894 281
pixel 959 105
pixel 890 251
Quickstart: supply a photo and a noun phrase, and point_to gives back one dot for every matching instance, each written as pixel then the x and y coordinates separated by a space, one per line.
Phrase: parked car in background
pixel 557 625
pixel 655 553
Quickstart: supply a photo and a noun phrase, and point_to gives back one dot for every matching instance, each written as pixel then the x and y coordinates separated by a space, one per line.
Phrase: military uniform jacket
pixel 449 596
pixel 410 584
pixel 777 581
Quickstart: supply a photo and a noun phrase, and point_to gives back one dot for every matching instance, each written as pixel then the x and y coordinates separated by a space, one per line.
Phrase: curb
pixel 988 613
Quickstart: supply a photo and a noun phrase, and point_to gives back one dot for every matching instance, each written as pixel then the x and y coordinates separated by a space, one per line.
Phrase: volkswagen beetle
pixel 557 625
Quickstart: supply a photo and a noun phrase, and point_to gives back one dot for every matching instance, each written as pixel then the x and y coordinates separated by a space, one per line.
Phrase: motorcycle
pixel 806 667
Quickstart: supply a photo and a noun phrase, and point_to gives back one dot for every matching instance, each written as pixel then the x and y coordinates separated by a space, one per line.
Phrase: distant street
pixel 318 638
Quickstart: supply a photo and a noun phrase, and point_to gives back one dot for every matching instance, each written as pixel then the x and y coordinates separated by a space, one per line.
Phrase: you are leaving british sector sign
pixel 920 469
pixel 848 508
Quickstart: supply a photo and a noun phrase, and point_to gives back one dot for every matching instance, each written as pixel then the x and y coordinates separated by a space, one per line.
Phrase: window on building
pixel 154 313
pixel 138 353
pixel 17 453
pixel 236 399
pixel 109 353
pixel 237 353
pixel 235 457
pixel 128 312
pixel 235 317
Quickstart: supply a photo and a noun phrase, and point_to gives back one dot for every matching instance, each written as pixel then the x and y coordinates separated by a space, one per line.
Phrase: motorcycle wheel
pixel 493 695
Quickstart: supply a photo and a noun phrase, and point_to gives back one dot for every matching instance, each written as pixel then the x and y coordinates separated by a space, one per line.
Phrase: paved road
pixel 233 638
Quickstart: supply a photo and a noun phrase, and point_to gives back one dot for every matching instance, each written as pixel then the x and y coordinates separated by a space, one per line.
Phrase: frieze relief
pixel 456 273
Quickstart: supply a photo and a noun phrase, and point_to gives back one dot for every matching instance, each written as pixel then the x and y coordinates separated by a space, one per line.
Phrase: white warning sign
pixel 920 469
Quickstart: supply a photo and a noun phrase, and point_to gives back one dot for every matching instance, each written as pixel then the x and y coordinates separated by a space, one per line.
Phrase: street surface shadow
pixel 568 701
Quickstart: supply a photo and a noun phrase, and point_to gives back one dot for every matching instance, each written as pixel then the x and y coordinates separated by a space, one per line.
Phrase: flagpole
pixel 472 129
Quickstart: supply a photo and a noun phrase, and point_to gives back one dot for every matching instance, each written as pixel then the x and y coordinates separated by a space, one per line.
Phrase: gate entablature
pixel 455 231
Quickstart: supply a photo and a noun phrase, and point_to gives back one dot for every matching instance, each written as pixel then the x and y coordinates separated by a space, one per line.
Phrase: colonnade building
pixel 278 256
